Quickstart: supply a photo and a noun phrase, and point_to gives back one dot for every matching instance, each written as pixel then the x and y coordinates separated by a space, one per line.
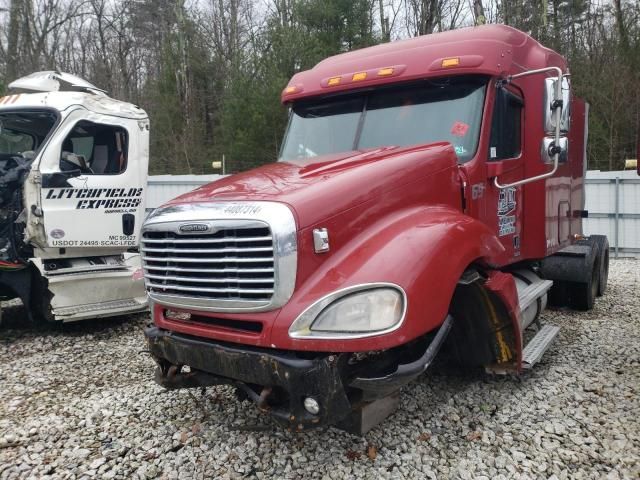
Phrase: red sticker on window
pixel 459 129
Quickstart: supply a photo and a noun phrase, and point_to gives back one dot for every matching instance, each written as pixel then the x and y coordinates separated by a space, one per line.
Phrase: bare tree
pixel 423 16
pixel 478 12
pixel 15 14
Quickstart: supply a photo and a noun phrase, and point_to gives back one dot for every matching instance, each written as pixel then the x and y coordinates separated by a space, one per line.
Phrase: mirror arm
pixel 557 106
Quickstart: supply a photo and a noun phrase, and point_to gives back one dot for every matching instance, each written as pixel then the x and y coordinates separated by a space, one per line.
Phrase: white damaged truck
pixel 73 174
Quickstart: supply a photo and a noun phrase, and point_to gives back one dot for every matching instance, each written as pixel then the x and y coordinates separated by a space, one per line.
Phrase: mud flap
pixel 367 415
pixel 31 289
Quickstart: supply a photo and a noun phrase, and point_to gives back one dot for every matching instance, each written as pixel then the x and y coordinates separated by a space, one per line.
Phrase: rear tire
pixel 583 295
pixel 603 260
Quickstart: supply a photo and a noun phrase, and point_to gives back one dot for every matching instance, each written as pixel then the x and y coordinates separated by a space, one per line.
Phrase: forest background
pixel 210 72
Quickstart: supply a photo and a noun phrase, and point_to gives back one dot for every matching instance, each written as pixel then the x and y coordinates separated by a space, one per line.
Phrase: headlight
pixel 355 312
pixel 369 311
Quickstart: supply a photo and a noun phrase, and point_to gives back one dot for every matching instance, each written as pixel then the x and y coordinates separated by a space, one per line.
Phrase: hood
pixel 324 186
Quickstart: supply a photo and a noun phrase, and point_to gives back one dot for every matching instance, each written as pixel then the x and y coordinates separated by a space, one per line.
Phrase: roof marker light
pixel 291 89
pixel 451 62
pixel 333 81
pixel 358 77
pixel 385 72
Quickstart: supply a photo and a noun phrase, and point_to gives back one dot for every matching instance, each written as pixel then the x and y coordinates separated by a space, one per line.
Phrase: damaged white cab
pixel 73 173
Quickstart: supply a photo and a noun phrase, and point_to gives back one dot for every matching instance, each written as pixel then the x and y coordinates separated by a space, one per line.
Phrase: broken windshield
pixel 448 109
pixel 23 131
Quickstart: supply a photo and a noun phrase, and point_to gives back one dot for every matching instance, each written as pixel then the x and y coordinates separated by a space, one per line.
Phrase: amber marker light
pixel 333 81
pixel 291 89
pixel 358 77
pixel 451 62
pixel 385 72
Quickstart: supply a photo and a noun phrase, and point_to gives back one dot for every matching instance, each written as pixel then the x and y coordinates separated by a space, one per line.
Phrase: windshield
pixel 24 130
pixel 448 109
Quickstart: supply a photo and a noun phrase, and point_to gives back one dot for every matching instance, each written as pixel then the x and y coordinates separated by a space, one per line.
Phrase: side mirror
pixel 548 149
pixel 549 111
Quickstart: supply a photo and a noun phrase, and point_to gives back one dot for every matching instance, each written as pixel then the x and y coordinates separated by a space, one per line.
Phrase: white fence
pixel 613 202
pixel 162 188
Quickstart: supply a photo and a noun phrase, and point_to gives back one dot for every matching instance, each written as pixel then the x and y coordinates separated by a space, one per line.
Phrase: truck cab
pixel 428 195
pixel 73 169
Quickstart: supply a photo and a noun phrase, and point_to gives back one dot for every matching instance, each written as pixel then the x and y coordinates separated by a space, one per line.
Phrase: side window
pixel 12 141
pixel 506 126
pixel 95 149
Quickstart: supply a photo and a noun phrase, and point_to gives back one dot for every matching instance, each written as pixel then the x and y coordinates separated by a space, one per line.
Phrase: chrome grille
pixel 220 256
pixel 231 264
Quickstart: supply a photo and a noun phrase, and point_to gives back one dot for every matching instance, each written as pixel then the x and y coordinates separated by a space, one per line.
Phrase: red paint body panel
pixel 408 223
pixel 415 248
pixel 331 184
pixel 409 215
pixel 493 50
pixel 504 287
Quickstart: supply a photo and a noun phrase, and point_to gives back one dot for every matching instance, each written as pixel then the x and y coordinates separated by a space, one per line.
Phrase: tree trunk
pixel 622 29
pixel 384 23
pixel 478 12
pixel 13 39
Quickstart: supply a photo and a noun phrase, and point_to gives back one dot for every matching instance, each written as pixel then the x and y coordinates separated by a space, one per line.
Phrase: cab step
pixel 124 306
pixel 539 344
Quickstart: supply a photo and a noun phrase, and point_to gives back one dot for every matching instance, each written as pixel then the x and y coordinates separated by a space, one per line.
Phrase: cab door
pixel 504 206
pixel 94 174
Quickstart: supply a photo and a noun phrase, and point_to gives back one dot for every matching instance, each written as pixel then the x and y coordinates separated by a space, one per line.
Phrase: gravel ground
pixel 79 402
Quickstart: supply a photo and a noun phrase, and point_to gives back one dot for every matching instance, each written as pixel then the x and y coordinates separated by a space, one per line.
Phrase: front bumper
pixel 288 377
pixel 351 394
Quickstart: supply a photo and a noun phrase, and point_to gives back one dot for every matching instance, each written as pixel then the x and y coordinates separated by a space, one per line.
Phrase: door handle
pixel 128 223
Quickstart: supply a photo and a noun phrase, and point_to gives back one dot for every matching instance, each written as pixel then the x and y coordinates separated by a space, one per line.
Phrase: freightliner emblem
pixel 194 228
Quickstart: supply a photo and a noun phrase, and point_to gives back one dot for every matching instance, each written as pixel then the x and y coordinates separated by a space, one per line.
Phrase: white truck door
pixel 94 174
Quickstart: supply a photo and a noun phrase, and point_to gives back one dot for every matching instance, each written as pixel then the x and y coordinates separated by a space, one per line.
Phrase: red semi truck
pixel 429 193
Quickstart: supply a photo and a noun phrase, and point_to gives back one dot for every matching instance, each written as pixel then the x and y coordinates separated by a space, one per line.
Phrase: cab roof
pixel 59 91
pixel 61 101
pixel 495 50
